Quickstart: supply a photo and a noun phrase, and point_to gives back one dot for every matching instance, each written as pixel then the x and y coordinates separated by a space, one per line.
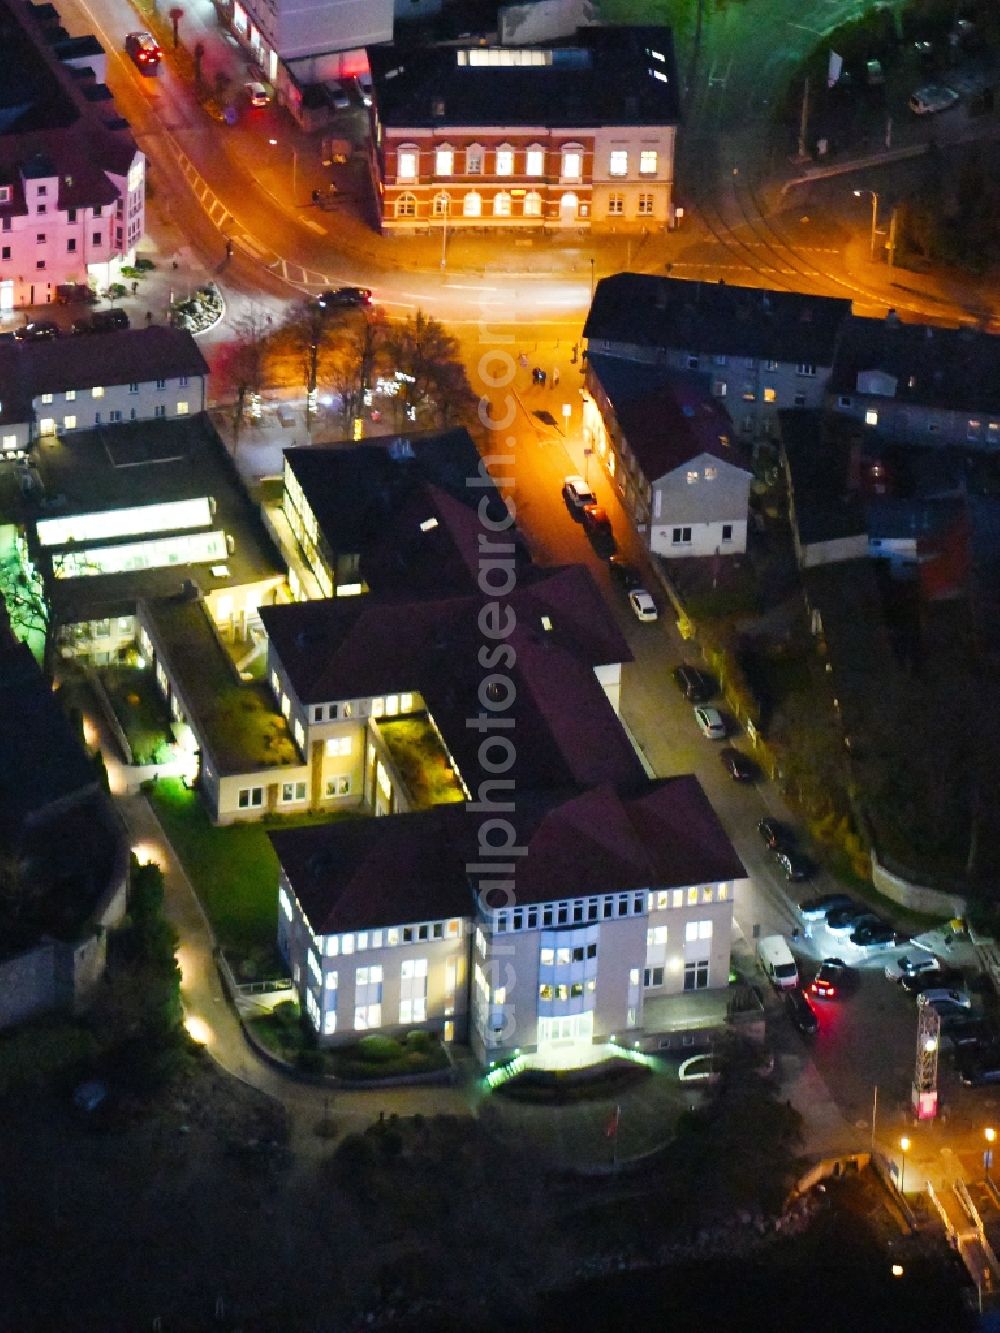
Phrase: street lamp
pixel 857 195
pixel 295 168
pixel 904 1147
pixel 989 1134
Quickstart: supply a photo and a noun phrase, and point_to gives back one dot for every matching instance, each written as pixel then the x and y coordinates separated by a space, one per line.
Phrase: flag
pixel 611 1128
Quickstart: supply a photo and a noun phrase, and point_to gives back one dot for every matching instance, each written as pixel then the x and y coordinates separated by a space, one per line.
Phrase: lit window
pixel 692 476
pixel 646 205
pixel 69 423
pixel 97 391
pixel 546 957
pixel 534 162
pixel 46 398
pixel 71 395
pixel 505 161
pixel 501 205
pixel 711 473
pixel 406 205
pixel 532 204
pixel 444 161
pixel 472 204
pixel 697 930
pixel 719 388
pixel 871 417
pixel 618 162
pixel 182 409
pixel 338 745
pixel 648 159
pixel 406 164
pixel 770 394
pixel 474 160
pixel 572 164
pixel 441 205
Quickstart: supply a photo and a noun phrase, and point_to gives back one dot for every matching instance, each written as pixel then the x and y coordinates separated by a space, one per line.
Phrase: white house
pixel 670 451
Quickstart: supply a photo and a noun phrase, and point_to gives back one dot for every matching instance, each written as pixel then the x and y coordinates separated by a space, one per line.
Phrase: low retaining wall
pixel 917 897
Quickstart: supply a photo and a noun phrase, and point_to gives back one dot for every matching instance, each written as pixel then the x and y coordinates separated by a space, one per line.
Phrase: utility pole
pixel 804 122
pixel 891 246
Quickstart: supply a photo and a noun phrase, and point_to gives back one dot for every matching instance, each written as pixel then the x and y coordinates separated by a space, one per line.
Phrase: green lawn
pixel 140 710
pixel 233 869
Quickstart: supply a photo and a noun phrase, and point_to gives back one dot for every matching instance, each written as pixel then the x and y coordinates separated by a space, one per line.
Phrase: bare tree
pixel 242 366
pixel 427 359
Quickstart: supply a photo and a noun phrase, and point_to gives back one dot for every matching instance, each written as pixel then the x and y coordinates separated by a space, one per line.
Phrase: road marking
pixel 248 244
pixel 313 226
pixel 470 287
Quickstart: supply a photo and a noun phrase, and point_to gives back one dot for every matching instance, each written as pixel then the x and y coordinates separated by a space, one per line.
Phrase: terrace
pixel 424 766
pixel 236 720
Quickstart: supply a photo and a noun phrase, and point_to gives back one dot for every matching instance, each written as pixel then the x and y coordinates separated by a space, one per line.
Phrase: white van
pixel 777 962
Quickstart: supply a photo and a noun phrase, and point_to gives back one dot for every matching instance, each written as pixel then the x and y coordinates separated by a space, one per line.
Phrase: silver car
pixel 935 97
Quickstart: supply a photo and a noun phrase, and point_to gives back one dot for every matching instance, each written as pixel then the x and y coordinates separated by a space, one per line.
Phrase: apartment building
pixel 671 453
pixel 762 351
pixel 917 383
pixel 53 388
pixel 72 180
pixel 577 135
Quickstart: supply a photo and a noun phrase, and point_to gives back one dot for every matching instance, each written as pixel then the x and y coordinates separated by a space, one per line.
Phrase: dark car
pixel 696 686
pixel 345 298
pixel 597 526
pixel 103 321
pixel 37 331
pixel 801 1012
pixel 979 1068
pixel 818 909
pixel 845 920
pixel 774 833
pixel 81 325
pixel 874 935
pixel 916 985
pixel 978 1034
pixel 738 765
pixel 796 867
pixel 623 573
pixel 829 981
pixel 144 50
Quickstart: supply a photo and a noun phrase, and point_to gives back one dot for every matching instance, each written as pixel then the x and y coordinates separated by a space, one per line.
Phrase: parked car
pixel 872 936
pixel 577 495
pixel 924 981
pixel 801 1012
pixel 910 965
pixel 257 94
pixel 974 1033
pixel 144 50
pixel 935 97
pixel 364 82
pixel 620 570
pixel 977 1073
pixel 37 331
pixel 643 606
pixel 700 1069
pixel 945 995
pixel 345 298
pixel 81 325
pixel 104 321
pixel 710 722
pixel 739 766
pixel 828 983
pixel 336 95
pixel 818 909
pixel 597 526
pixel 774 833
pixel 696 686
pixel 796 866
pixel 845 920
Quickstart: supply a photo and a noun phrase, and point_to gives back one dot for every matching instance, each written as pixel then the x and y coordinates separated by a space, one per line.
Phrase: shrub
pixel 419 1040
pixel 286 1013
pixel 379 1050
pixel 145 265
pixel 310 1062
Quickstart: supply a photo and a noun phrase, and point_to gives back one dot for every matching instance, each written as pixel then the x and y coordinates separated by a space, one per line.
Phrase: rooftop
pixel 715 318
pixel 123 356
pixel 826 506
pixel 146 463
pixel 238 720
pixel 413 867
pixel 568 734
pixel 932 367
pixel 602 76
pixel 667 416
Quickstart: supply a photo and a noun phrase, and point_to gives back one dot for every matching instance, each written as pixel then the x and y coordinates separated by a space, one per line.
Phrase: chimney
pixel 892 318
pixel 437 108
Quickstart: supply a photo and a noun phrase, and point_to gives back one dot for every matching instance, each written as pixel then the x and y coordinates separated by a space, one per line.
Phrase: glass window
pixel 406 164
pixel 534 162
pixel 646 205
pixel 472 204
pixel 441 205
pixel 505 161
pixel 444 161
pixel 406 205
pixel 618 162
pixel 572 164
pixel 97 391
pixel 616 205
pixel 647 162
pixel 770 394
pixel 532 204
pixel 474 160
pixel 871 417
pixel 501 205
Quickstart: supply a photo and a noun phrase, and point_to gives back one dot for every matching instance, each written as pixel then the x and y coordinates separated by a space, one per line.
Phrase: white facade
pixel 701 509
pixel 570 973
pixel 111 404
pixel 52 243
pixel 286 30
pixel 633 175
pixel 394 979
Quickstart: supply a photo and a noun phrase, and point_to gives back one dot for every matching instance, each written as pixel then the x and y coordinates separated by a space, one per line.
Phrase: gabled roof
pixel 376 873
pixel 566 730
pixel 124 356
pixel 715 318
pixel 668 417
pixel 602 76
pixel 825 502
pixel 933 367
